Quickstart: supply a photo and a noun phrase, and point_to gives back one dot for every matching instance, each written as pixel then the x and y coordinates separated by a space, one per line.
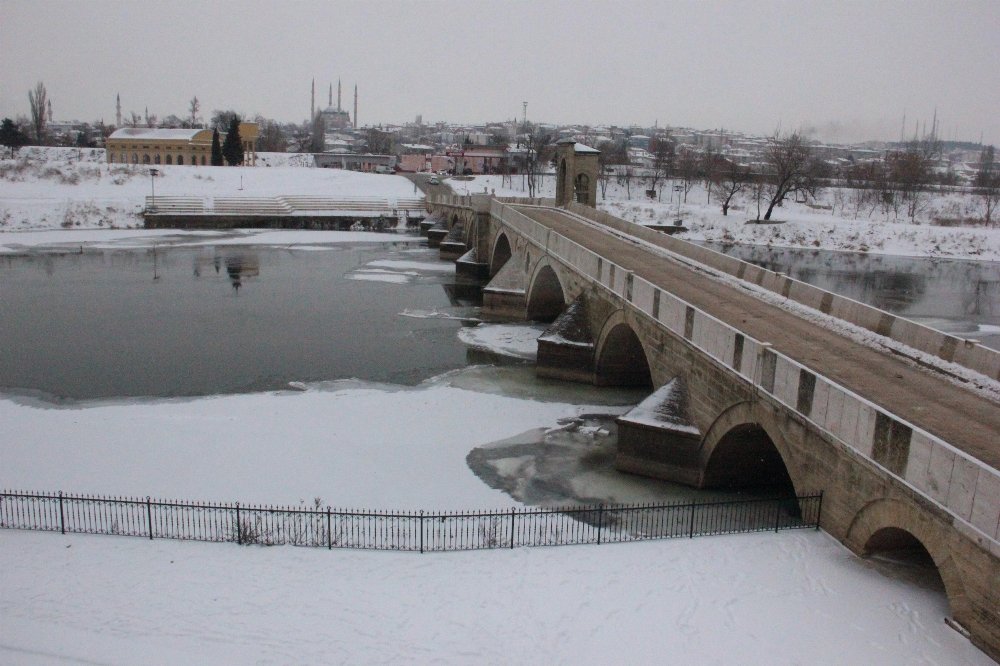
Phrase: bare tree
pixel 194 106
pixel 662 149
pixel 709 164
pixel 866 182
pixel 38 100
pixel 986 166
pixel 910 174
pixel 792 169
pixel 539 152
pixel 687 170
pixel 729 178
pixel 134 119
pixel 271 139
pixel 604 161
pixel 626 173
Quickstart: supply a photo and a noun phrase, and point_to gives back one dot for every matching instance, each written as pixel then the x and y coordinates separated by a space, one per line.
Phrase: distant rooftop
pixel 151 133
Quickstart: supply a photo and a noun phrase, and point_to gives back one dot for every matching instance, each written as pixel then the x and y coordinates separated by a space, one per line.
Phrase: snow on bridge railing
pixel 966 353
pixel 966 487
pixel 421 531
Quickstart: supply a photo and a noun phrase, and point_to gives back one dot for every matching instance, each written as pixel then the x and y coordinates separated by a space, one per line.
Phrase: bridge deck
pixel 915 394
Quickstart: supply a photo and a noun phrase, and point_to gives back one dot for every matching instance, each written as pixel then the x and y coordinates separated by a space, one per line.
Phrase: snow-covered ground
pixel 793 597
pixel 790 598
pixel 59 188
pixel 804 226
pixel 69 188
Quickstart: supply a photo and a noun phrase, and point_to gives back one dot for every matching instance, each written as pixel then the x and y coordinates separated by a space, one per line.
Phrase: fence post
pixel 62 519
pixel 239 528
pixel 600 522
pixel 819 509
pixel 691 526
pixel 513 514
pixel 777 515
pixel 421 530
pixel 149 518
pixel 329 536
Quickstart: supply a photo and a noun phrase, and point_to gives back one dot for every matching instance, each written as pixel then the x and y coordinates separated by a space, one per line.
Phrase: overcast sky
pixel 850 70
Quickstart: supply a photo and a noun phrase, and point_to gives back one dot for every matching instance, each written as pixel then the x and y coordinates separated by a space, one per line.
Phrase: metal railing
pixel 421 531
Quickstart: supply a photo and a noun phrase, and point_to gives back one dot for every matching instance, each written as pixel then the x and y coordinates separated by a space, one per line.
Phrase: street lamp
pixel 153 173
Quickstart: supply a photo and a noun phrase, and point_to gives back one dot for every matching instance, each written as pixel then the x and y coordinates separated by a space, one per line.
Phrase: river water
pixel 186 321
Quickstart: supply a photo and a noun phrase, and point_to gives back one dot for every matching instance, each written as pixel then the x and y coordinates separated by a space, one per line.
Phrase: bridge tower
pixel 577 172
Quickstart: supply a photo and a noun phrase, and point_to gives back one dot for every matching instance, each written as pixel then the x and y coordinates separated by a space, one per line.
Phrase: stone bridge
pixel 757 379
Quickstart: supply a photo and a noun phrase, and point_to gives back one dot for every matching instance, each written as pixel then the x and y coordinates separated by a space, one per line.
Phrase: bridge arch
pixel 501 253
pixel 546 297
pixel 620 358
pixel 892 526
pixel 742 449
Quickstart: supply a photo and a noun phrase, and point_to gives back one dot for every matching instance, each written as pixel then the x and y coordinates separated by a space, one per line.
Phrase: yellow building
pixel 144 145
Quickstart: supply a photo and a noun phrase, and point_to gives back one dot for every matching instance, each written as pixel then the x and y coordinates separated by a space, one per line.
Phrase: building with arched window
pixel 144 145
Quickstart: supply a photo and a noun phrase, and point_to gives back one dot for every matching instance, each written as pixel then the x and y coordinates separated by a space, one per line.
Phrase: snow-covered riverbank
pixel 823 225
pixel 69 188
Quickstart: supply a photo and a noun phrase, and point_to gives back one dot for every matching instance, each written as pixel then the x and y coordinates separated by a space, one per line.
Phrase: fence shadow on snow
pixel 323 527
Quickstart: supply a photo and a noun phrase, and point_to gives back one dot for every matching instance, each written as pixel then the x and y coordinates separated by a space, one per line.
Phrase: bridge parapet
pixel 965 487
pixel 966 353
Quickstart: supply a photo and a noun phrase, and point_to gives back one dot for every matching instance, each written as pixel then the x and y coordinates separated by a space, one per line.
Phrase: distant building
pixel 356 162
pixel 145 145
pixel 479 160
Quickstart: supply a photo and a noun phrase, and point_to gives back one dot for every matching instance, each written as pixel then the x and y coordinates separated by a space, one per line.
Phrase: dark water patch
pixel 185 321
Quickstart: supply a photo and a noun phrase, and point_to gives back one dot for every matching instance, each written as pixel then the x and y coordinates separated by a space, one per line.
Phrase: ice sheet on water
pixel 516 340
pixel 380 276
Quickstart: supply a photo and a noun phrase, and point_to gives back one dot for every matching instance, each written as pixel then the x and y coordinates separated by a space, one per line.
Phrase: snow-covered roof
pixel 580 148
pixel 151 133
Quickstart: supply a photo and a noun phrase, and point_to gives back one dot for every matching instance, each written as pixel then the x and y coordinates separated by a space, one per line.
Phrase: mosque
pixel 335 117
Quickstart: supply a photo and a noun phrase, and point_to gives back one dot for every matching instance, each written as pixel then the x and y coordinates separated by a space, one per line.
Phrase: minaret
pixel 329 101
pixel 118 110
pixel 355 106
pixel 312 104
pixel 338 94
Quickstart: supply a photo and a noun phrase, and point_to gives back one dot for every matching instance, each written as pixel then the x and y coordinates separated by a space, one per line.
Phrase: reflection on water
pixel 955 296
pixel 163 321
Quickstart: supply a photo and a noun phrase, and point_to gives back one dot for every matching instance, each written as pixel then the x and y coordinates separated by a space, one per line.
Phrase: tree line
pixel 897 184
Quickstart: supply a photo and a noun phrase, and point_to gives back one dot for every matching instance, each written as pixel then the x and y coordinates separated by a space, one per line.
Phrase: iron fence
pixel 419 531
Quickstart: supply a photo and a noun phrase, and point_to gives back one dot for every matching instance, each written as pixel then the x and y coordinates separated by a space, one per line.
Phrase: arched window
pixel 180 159
pixel 135 158
pixel 203 160
pixel 582 188
pixel 170 159
pixel 156 158
pixel 145 158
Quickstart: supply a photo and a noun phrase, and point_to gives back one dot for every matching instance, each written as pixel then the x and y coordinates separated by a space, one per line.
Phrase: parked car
pixel 433 180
